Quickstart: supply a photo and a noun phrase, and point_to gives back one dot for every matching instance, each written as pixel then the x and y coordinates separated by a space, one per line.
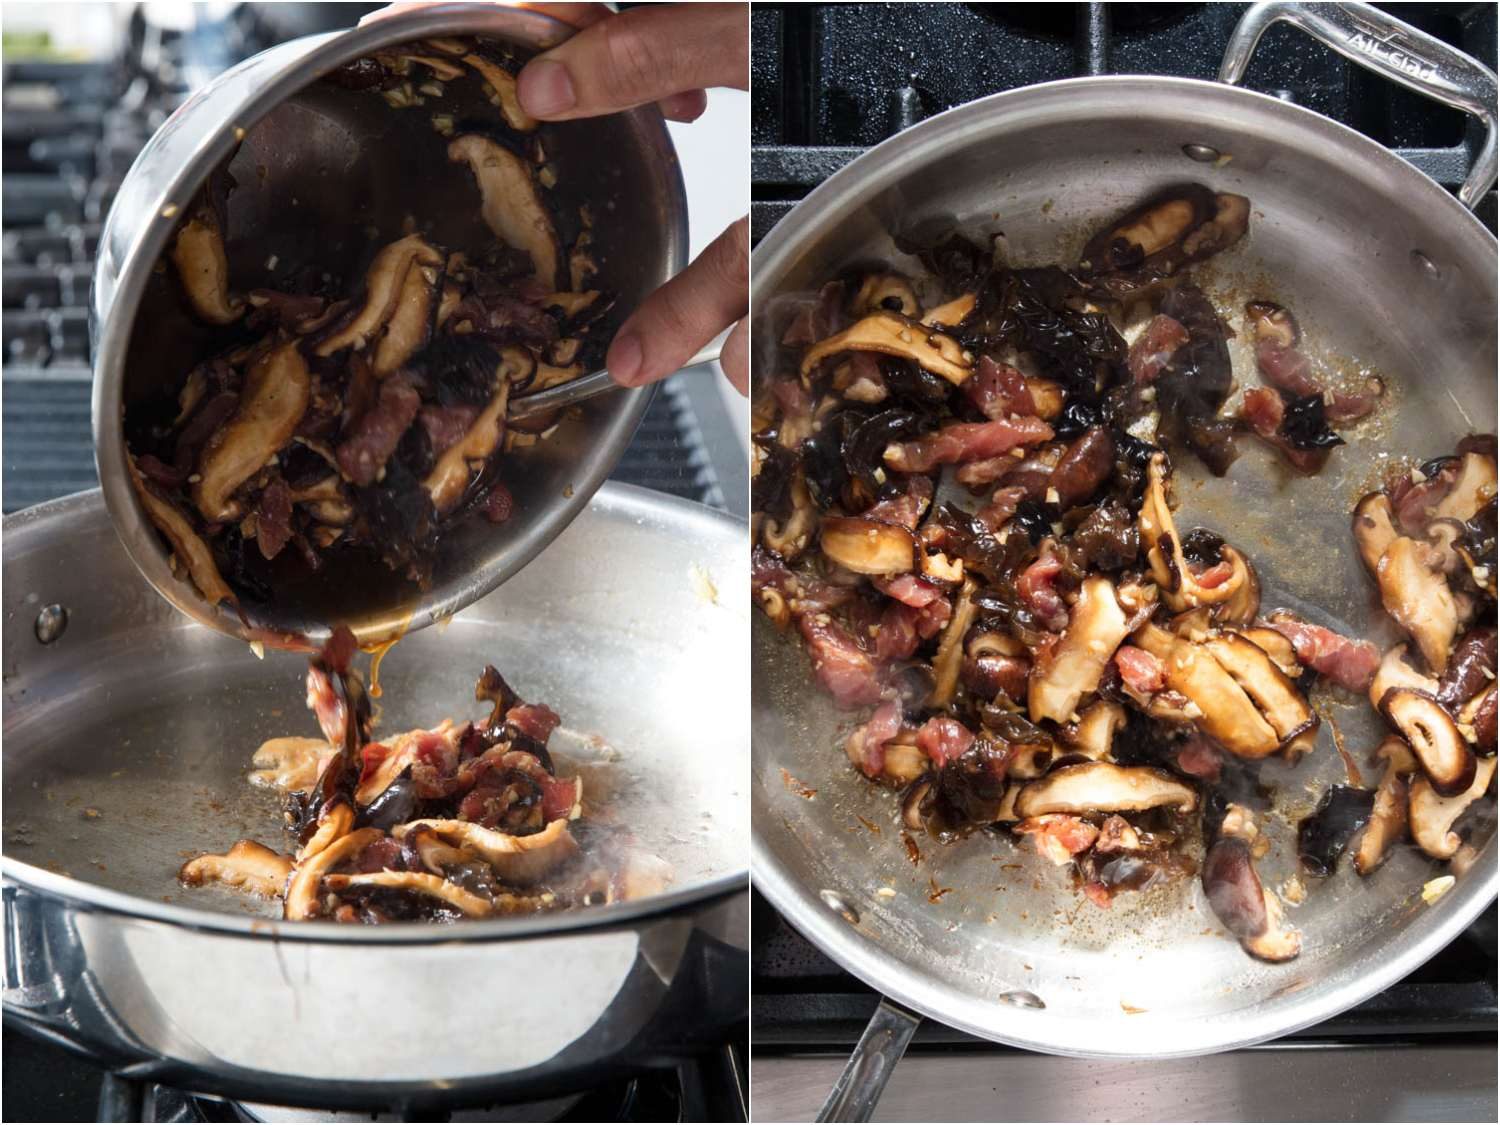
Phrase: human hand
pixel 666 54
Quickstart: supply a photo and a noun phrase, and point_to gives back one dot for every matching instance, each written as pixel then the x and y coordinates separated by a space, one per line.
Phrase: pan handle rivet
pixel 1020 998
pixel 1426 265
pixel 1203 154
pixel 839 905
pixel 51 623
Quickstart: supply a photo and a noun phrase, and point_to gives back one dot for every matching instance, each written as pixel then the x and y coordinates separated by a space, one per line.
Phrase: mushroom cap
pixel 893 334
pixel 1432 815
pixel 1434 738
pixel 1090 787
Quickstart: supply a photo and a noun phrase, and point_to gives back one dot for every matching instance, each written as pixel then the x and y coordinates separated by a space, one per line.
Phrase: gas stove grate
pixel 831 80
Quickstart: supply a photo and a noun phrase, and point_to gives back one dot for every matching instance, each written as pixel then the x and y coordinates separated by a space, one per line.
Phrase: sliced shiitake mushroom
pixel 326 501
pixel 250 866
pixel 952 313
pixel 948 662
pixel 1433 737
pixel 1395 672
pixel 1433 815
pixel 1273 693
pixel 198 254
pixel 449 478
pixel 1471 491
pixel 1374 530
pixel 519 860
pixel 1180 590
pixel 1090 787
pixel 191 550
pixel 503 83
pixel 409 328
pixel 889 292
pixel 1217 703
pixel 291 765
pixel 1416 595
pixel 275 396
pixel 789 537
pixel 1388 816
pixel 307 875
pixel 1277 646
pixel 893 334
pixel 512 206
pixel 869 546
pixel 1094 733
pixel 1150 227
pixel 1073 669
pixel 393 304
pixel 1244 603
pixel 417 882
pixel 1248 910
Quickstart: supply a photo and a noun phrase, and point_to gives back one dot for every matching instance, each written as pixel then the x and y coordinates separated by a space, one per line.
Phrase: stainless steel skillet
pixel 1382 266
pixel 126 741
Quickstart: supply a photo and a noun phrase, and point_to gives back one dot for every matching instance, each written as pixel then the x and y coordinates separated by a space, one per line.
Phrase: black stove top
pixel 44 1083
pixel 830 81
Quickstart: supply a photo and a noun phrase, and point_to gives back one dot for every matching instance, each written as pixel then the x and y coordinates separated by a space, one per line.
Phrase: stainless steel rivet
pixel 1203 154
pixel 840 905
pixel 1426 265
pixel 51 623
pixel 1020 998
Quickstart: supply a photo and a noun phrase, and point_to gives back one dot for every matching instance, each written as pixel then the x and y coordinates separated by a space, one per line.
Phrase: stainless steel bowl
pixel 317 166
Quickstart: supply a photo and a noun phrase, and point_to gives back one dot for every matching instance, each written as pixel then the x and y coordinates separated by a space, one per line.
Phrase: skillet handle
pixel 1369 38
pixel 855 1094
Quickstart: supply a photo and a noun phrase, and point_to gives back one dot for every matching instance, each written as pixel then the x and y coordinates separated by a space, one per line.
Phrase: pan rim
pixel 853 186
pixel 636 503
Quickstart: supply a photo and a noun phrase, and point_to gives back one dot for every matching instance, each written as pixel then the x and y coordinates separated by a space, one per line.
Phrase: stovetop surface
pixel 831 80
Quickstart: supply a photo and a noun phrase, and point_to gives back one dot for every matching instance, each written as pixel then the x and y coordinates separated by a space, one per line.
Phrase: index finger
pixel 638 57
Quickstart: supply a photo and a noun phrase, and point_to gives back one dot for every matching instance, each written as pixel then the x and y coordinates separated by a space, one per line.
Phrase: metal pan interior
pixel 127 740
pixel 1343 233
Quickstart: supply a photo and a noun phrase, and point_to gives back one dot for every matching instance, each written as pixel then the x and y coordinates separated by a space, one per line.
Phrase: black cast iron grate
pixel 831 80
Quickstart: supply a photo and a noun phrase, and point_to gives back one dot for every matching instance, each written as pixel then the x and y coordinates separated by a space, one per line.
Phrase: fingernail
pixel 624 360
pixel 544 88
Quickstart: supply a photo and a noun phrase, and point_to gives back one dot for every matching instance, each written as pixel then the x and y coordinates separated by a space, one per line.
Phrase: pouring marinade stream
pixel 1056 659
